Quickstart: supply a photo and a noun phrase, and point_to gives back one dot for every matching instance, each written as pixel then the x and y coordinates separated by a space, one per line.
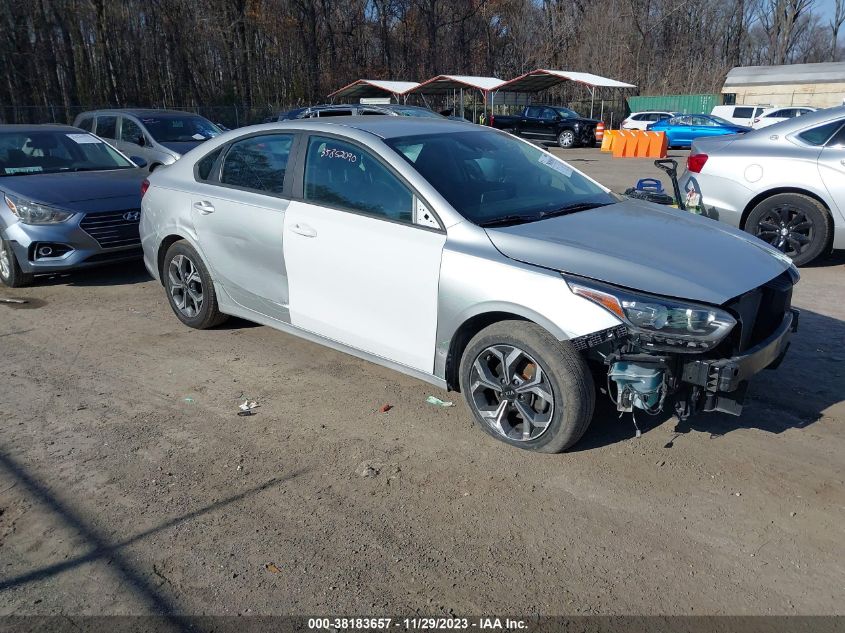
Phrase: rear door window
pixel 107 127
pixel 258 163
pixel 744 113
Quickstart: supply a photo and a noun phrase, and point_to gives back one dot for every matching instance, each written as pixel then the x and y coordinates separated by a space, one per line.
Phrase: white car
pixel 776 115
pixel 641 120
pixel 740 114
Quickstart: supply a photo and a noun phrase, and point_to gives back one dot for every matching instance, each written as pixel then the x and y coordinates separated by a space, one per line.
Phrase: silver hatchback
pixel 784 183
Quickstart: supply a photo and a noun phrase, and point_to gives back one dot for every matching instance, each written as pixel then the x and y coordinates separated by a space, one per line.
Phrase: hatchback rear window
pixel 743 113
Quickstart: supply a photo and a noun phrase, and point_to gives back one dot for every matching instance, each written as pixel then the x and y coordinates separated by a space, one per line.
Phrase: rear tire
pixel 797 225
pixel 189 287
pixel 11 273
pixel 515 370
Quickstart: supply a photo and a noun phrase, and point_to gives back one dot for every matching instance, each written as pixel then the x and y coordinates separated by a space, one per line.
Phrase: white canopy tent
pixel 543 78
pixel 445 84
pixel 365 88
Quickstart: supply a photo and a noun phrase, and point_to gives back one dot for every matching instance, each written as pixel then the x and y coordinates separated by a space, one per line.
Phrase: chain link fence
pixel 231 116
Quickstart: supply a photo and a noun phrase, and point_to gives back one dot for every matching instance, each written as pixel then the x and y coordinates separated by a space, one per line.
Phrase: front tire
pixel 566 139
pixel 10 271
pixel 526 388
pixel 795 224
pixel 189 287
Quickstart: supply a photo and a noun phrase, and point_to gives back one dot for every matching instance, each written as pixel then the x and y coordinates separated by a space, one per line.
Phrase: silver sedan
pixel 784 183
pixel 470 259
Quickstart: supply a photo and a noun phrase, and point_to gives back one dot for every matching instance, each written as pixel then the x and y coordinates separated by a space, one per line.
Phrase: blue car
pixel 682 130
pixel 67 200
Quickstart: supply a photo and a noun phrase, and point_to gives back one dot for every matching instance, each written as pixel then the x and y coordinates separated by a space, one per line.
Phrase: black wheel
pixel 10 271
pixel 189 288
pixel 526 388
pixel 566 139
pixel 796 225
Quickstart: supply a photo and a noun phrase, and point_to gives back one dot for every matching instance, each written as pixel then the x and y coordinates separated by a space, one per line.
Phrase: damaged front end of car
pixel 696 356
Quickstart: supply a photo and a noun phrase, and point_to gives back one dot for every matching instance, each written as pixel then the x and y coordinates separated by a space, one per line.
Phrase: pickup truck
pixel 554 124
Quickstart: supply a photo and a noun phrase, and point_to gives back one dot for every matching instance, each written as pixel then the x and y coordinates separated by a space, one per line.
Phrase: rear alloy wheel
pixel 190 289
pixel 526 388
pixel 566 139
pixel 796 225
pixel 10 271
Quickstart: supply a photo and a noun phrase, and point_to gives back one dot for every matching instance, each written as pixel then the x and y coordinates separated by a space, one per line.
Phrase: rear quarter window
pixel 819 135
pixel 743 113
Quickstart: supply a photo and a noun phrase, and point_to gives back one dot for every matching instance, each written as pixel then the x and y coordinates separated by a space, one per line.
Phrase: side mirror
pixel 141 140
pixel 140 162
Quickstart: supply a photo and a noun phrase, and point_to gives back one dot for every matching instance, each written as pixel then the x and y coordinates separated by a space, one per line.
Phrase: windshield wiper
pixel 573 208
pixel 510 219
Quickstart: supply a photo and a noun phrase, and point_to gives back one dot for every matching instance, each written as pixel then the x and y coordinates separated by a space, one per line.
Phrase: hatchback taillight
pixel 144 186
pixel 695 162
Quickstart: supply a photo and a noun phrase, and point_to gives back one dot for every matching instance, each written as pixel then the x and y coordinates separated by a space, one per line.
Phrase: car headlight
pixel 661 323
pixel 30 212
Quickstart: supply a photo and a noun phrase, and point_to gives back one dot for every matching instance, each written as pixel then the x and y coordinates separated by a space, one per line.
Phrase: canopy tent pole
pixel 462 104
pixel 592 99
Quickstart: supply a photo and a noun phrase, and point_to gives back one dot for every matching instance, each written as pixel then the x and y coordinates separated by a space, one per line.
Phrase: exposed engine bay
pixel 697 358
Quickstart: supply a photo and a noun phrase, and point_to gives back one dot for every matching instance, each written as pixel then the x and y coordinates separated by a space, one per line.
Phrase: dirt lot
pixel 129 485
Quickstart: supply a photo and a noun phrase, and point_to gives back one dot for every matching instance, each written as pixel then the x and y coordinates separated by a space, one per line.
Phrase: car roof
pixel 42 127
pixel 385 127
pixel 141 112
pixel 810 119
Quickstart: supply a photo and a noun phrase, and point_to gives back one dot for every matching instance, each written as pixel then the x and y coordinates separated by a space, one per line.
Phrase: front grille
pixel 113 229
pixel 759 312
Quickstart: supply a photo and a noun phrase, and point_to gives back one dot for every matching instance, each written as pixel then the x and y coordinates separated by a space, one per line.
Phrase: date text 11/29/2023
pixel 416 624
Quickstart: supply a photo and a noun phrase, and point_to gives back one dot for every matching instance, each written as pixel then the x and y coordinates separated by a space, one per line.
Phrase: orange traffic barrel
pixel 600 131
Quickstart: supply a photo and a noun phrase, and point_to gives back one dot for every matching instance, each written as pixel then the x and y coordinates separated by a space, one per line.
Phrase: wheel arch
pixel 760 197
pixel 472 325
pixel 163 246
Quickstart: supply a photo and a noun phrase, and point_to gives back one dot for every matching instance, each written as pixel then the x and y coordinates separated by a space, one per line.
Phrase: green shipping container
pixel 687 104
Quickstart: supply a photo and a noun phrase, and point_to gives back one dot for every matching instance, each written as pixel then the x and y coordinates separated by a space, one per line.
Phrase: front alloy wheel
pixel 566 139
pixel 511 392
pixel 525 387
pixel 11 274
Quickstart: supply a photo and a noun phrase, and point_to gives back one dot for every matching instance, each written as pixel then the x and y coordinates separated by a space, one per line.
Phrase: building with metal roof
pixel 820 85
pixel 368 88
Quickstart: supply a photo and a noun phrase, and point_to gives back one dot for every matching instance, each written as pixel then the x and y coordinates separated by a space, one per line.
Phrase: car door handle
pixel 304 230
pixel 204 207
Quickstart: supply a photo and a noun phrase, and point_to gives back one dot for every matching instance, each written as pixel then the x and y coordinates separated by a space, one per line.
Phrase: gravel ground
pixel 128 484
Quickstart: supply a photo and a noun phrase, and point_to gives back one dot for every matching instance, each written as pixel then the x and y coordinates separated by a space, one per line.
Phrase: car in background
pixel 551 124
pixel 681 130
pixel 355 109
pixel 158 136
pixel 471 259
pixel 68 200
pixel 776 115
pixel 785 183
pixel 641 120
pixel 740 114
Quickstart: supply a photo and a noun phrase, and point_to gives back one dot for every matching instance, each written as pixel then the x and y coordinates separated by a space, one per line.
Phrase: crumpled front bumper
pixel 724 380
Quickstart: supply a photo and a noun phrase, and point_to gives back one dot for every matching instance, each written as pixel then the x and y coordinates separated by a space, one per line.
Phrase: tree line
pixel 262 55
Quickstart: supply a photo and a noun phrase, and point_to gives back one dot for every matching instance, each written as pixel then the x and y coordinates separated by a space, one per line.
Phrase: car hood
pixel 182 147
pixel 646 247
pixel 75 190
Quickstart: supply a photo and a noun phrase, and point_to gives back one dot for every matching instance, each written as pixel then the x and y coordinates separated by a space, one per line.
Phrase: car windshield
pixel 414 111
pixel 719 120
pixel 180 129
pixel 42 152
pixel 492 178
